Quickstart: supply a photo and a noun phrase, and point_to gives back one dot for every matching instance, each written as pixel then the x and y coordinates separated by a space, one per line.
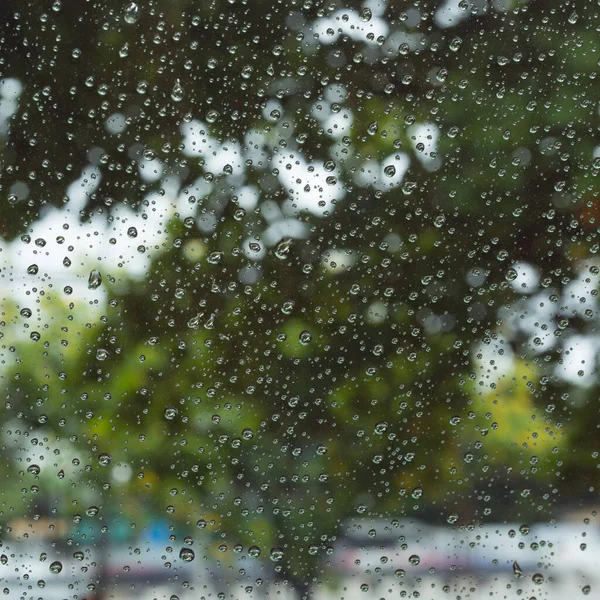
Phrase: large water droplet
pixel 177 93
pixel 276 554
pixel 170 413
pixel 102 354
pixel 517 570
pixel 282 250
pixel 132 13
pixel 187 554
pixel 56 567
pixel 104 459
pixel 95 279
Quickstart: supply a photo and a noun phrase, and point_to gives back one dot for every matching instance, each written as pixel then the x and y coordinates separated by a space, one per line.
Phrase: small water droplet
pixel 33 469
pixel 132 232
pixel 538 579
pixel 389 171
pixel 124 51
pixel 254 551
pixel 414 559
pixel 32 269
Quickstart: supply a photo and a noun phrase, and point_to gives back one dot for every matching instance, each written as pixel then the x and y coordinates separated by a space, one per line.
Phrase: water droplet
pixel 102 354
pixel 92 511
pixel 373 128
pixel 194 322
pixel 33 469
pixel 414 559
pixel 215 257
pixel 517 570
pixel 4 559
pixel 132 13
pixel 586 589
pixel 283 248
pixel 95 279
pixel 305 337
pixel 25 313
pixel 288 307
pixel 177 92
pixel 254 551
pixel 364 587
pixel 389 171
pixel 276 554
pixel 56 567
pixel 538 578
pixel 452 518
pixel 124 51
pixel 104 459
pixel 32 269
pixel 170 413
pixel 510 275
pixel 187 554
pixel 132 232
pixel 439 221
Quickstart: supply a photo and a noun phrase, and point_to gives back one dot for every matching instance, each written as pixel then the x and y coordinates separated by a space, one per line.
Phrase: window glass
pixel 299 299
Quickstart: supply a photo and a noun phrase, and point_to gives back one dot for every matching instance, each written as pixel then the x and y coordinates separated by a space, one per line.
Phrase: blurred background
pixel 299 299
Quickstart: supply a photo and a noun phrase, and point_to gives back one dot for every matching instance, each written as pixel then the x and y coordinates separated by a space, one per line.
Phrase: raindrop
pixel 283 248
pixel 33 469
pixel 439 221
pixel 177 92
pixel 517 570
pixel 95 279
pixel 414 559
pixel 132 13
pixel 389 171
pixel 56 567
pixel 276 554
pixel 366 15
pixel 170 413
pixel 32 269
pixel 104 459
pixel 102 354
pixel 187 554
pixel 254 551
pixel 216 257
pixel 305 337
pixel 538 578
